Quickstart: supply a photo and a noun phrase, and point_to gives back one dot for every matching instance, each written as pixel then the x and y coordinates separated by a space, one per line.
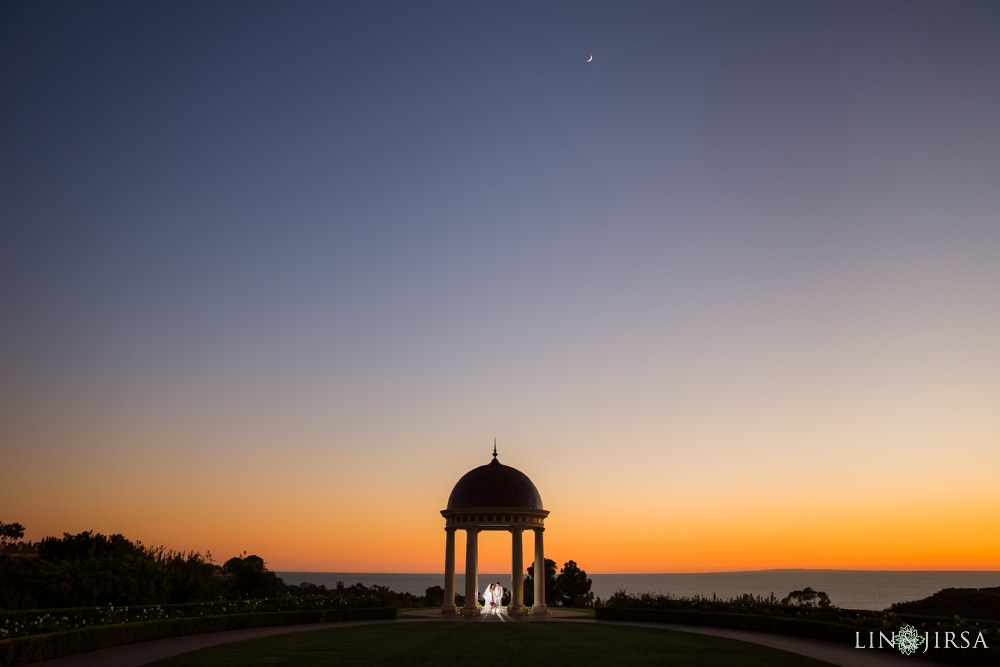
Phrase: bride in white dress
pixel 488 600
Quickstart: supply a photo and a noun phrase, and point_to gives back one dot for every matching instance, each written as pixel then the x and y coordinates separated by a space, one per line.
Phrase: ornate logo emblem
pixel 908 640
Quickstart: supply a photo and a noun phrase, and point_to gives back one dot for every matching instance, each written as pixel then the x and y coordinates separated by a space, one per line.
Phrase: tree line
pixel 90 570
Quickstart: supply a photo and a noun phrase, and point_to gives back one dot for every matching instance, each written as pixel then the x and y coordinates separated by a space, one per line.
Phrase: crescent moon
pixel 590 58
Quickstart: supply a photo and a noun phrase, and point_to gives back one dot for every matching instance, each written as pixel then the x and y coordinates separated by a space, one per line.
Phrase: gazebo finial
pixel 494 448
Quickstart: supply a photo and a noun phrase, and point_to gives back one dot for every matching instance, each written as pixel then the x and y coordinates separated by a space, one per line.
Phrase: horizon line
pixel 777 569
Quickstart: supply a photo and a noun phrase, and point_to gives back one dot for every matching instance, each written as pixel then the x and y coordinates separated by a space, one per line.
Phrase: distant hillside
pixel 968 603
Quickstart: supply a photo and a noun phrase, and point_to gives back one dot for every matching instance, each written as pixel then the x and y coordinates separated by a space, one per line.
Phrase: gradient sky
pixel 274 275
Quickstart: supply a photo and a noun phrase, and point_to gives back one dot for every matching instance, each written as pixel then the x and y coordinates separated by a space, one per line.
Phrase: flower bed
pixel 59 632
pixel 37 621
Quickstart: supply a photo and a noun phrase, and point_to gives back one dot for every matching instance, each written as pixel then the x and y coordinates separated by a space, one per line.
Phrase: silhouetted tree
pixel 251 579
pixel 574 586
pixel 434 596
pixel 807 597
pixel 551 585
pixel 10 531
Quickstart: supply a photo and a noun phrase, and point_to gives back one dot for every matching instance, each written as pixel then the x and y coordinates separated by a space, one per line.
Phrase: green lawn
pixel 436 643
pixel 589 611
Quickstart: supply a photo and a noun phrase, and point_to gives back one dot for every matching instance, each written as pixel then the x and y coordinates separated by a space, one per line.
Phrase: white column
pixel 449 573
pixel 516 573
pixel 471 605
pixel 539 606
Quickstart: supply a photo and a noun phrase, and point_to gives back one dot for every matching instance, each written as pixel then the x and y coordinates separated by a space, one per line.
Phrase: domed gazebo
pixel 494 497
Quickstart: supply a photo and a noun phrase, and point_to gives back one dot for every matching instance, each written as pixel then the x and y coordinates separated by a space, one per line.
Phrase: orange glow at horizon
pixel 647 508
pixel 388 536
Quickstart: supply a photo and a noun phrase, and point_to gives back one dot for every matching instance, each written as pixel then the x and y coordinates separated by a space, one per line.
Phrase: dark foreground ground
pixel 421 638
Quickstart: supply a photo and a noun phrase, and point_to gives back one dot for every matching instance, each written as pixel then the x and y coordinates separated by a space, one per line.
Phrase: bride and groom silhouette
pixel 493 599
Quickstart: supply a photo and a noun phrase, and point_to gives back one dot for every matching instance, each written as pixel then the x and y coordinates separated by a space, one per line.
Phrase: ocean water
pixel 849 589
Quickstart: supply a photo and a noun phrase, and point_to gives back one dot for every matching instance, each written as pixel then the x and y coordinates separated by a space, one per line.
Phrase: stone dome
pixel 494 485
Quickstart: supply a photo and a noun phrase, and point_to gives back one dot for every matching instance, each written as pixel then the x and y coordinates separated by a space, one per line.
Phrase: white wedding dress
pixel 487 597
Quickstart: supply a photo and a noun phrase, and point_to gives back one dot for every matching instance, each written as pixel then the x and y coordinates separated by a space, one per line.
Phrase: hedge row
pixel 824 630
pixel 23 650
